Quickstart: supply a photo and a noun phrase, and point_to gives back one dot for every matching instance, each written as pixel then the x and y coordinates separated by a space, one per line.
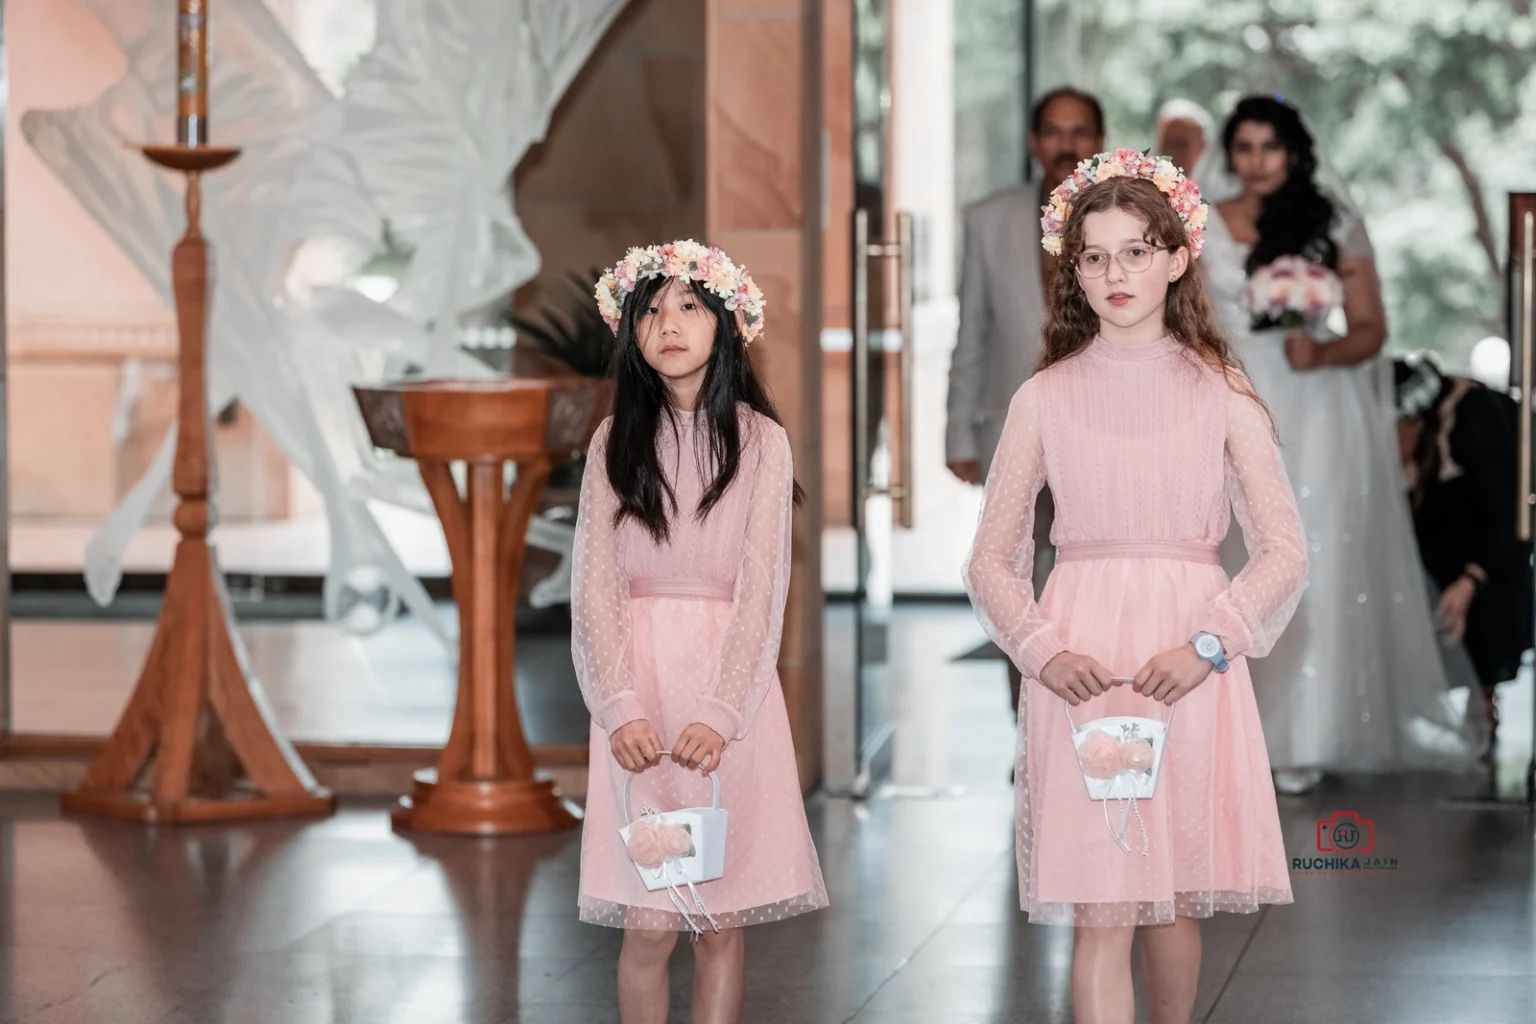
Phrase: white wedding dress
pixel 1356 683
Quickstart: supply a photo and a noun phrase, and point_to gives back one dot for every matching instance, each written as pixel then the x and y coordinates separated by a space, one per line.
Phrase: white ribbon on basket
pixel 1131 781
pixel 672 870
pixel 1127 804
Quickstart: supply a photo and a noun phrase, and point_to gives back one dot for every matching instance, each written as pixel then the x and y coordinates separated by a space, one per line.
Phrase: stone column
pixel 763 206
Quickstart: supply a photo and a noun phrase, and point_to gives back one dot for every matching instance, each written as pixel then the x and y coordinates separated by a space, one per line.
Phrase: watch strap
pixel 1219 661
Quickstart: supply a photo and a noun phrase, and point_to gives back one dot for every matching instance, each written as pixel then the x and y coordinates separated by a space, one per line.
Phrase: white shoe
pixel 1297 781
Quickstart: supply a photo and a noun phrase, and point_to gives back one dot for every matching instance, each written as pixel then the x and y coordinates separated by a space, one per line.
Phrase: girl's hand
pixel 967 471
pixel 1455 602
pixel 699 747
pixel 1172 674
pixel 1075 677
pixel 1302 352
pixel 636 746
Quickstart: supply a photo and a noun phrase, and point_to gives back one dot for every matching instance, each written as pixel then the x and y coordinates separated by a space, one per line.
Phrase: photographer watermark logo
pixel 1346 845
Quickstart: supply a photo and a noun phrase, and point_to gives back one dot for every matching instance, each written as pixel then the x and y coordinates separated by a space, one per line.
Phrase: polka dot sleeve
pixel 999 572
pixel 1252 612
pixel 749 657
pixel 600 598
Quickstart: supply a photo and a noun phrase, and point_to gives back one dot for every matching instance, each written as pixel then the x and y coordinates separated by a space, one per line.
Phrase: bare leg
pixel 1101 976
pixel 719 976
pixel 1170 957
pixel 645 993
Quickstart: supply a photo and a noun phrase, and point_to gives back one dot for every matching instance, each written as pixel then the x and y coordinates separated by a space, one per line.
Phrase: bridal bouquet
pixel 1292 292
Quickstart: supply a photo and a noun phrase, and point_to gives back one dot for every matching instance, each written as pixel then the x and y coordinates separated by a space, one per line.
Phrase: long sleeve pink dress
pixel 683 632
pixel 1147 452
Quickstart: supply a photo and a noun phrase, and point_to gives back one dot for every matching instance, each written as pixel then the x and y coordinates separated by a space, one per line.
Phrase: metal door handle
pixel 859 322
pixel 1527 336
pixel 902 491
pixel 864 252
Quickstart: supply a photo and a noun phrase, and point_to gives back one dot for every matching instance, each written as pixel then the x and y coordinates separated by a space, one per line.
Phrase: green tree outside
pixel 1427 110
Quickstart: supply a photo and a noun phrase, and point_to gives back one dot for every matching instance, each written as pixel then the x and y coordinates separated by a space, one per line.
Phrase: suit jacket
pixel 1002 313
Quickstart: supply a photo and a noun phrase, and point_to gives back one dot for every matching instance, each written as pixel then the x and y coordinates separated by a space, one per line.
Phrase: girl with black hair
pixel 1357 684
pixel 679 580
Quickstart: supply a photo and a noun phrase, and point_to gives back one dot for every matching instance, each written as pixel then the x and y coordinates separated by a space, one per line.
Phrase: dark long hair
pixel 1421 387
pixel 641 401
pixel 1297 218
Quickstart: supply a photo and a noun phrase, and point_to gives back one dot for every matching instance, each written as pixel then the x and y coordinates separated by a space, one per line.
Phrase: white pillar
pixel 923 171
pixel 923 131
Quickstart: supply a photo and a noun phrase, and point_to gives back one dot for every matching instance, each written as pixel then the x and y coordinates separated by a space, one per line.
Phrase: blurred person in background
pixel 1459 445
pixel 1358 683
pixel 1004 279
pixel 1186 134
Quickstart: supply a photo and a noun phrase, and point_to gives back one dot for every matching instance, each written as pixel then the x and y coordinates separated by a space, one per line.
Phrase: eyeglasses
pixel 1133 260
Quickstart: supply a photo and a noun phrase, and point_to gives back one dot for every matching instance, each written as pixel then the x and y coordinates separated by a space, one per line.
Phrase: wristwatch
pixel 1208 647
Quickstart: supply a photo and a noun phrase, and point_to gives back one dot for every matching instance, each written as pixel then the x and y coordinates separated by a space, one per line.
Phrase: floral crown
pixel 1182 192
pixel 686 260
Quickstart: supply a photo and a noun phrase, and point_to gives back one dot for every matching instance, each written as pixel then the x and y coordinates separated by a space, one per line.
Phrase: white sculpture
pixel 424 137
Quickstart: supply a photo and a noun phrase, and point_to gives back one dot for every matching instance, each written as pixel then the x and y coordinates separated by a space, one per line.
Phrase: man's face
pixel 1182 141
pixel 1068 135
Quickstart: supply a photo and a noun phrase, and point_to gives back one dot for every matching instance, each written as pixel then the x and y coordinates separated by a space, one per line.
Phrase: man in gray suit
pixel 1003 283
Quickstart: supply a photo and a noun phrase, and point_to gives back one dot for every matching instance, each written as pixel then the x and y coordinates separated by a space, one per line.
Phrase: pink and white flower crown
pixel 686 260
pixel 1182 192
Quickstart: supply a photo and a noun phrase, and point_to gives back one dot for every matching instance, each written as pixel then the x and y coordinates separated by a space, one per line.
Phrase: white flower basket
pixel 707 827
pixel 1121 758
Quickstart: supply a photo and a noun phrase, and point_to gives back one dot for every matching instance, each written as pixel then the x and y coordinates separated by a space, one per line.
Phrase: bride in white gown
pixel 1356 683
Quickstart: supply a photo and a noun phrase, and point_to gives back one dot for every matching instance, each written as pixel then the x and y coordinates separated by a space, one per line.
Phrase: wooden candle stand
pixel 198 729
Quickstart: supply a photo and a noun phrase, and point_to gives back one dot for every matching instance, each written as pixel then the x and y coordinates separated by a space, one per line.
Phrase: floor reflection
pixel 342 920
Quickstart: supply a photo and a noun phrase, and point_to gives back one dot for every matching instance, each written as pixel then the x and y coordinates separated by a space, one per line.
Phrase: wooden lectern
pixel 483 783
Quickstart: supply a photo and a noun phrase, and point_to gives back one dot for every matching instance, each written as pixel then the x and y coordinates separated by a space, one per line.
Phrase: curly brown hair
pixel 1070 322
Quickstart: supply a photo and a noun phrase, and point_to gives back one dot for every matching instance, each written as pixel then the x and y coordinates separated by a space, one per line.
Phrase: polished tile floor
pixel 343 921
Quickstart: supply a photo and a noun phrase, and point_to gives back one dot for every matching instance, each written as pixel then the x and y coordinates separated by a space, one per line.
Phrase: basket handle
pixel 714 777
pixel 1067 708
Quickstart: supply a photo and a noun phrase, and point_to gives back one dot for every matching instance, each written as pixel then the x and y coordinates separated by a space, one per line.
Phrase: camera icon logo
pixel 1346 832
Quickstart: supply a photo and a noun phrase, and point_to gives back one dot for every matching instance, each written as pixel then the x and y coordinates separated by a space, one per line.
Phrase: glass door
pixel 881 318
pixel 1514 781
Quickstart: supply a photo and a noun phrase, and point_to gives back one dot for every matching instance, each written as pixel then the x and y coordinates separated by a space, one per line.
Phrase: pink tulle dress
pixel 1147 452
pixel 683 632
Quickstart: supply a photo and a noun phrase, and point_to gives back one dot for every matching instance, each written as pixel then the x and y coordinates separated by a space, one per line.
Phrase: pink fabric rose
pixel 1136 756
pixel 652 844
pixel 1100 755
pixel 675 841
pixel 647 844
